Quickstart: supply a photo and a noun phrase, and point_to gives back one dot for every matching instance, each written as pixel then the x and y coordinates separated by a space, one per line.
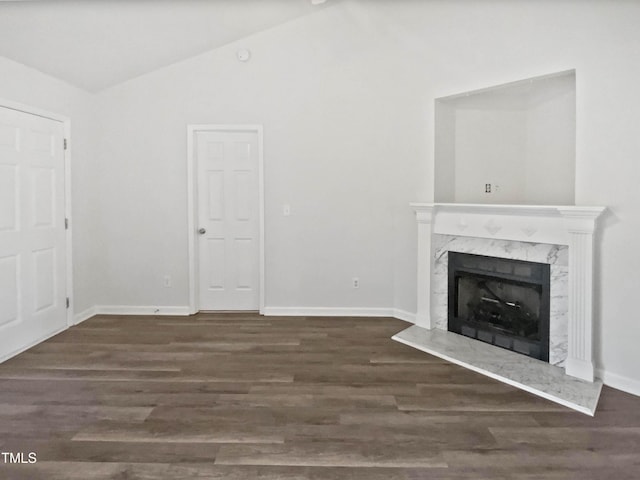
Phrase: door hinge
pixel 66 224
pixel 66 144
pixel 67 302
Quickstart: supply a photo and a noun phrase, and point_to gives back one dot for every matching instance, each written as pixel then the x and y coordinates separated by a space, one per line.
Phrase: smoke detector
pixel 243 55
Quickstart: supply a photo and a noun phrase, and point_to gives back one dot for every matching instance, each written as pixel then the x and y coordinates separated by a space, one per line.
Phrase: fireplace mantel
pixel 573 226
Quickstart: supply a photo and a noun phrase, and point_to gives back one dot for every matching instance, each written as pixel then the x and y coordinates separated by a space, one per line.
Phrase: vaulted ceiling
pixel 95 44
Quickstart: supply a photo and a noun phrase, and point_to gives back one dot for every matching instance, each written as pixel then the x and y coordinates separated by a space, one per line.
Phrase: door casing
pixel 192 206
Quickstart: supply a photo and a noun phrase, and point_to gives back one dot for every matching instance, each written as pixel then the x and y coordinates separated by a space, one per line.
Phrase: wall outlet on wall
pixel 167 281
pixel 487 188
pixel 355 282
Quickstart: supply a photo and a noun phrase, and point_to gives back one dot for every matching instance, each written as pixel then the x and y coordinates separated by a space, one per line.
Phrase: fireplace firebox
pixel 500 301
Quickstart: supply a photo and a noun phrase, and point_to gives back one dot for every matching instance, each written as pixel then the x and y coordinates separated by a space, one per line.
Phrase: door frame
pixel 192 206
pixel 66 123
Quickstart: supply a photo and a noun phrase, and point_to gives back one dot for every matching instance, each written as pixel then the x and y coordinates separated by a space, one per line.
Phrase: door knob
pixel 202 231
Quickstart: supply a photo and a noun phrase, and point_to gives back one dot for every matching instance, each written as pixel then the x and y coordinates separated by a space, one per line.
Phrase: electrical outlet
pixel 487 188
pixel 355 282
pixel 167 281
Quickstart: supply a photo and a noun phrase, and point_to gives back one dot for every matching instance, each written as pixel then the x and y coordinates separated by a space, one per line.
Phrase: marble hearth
pixel 561 236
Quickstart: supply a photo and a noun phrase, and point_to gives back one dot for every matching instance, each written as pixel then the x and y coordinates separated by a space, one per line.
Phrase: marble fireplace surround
pixel 554 255
pixel 562 236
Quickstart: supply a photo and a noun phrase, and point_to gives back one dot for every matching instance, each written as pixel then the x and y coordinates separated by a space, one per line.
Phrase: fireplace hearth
pixel 500 301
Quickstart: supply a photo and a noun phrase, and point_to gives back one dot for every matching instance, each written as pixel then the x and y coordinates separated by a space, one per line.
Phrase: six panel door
pixel 228 214
pixel 32 230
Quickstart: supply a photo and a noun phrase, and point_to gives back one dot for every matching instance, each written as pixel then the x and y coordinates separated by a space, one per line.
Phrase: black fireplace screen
pixel 500 301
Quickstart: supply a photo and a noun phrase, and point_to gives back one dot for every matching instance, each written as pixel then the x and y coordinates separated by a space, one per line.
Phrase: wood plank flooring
pixel 239 396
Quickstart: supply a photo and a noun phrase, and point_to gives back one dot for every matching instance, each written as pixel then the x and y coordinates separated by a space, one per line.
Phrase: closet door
pixel 32 230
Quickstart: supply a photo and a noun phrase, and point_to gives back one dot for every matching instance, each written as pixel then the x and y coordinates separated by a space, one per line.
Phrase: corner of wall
pixel 619 382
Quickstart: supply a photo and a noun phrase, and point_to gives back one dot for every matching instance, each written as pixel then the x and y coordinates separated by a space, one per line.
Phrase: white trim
pixel 404 315
pixel 522 223
pixel 68 214
pixel 191 219
pixel 140 310
pixel 84 315
pixel 268 311
pixel 340 312
pixel 619 382
pixel 328 312
pixel 31 344
pixel 192 204
pixel 66 124
pixel 10 104
pixel 130 310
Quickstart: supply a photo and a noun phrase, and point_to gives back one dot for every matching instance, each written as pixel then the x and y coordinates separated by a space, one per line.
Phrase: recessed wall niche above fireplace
pixel 500 301
pixel 513 143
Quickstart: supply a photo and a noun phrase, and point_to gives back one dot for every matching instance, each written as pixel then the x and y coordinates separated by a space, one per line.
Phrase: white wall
pixel 346 98
pixel 490 147
pixel 444 170
pixel 31 88
pixel 550 151
pixel 335 134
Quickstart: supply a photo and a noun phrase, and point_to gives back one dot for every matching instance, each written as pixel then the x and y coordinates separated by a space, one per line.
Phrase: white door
pixel 32 230
pixel 228 220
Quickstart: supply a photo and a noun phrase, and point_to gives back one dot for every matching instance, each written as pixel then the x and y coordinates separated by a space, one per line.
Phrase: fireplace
pixel 500 301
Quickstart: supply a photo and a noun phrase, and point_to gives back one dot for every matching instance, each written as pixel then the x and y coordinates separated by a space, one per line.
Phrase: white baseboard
pixel 32 344
pixel 340 312
pixel 129 310
pixel 84 315
pixel 140 310
pixel 328 312
pixel 619 382
pixel 268 311
pixel 404 315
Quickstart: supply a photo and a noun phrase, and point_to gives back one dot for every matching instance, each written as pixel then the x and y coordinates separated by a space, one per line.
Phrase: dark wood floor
pixel 238 396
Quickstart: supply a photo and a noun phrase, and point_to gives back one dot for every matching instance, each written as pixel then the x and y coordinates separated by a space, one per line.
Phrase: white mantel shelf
pixel 524 223
pixel 553 224
pixel 509 208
